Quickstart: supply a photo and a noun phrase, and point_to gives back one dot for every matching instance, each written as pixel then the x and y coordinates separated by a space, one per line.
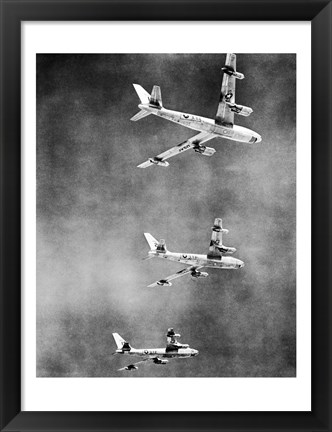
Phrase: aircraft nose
pixel 259 138
pixel 194 352
pixel 241 264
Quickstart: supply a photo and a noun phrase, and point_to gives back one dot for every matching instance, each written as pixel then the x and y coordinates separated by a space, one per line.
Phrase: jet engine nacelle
pixel 164 283
pixel 183 346
pixel 240 109
pixel 171 333
pixel 131 367
pixel 218 229
pixel 226 249
pixel 206 151
pixel 231 72
pixel 159 361
pixel 198 274
pixel 159 162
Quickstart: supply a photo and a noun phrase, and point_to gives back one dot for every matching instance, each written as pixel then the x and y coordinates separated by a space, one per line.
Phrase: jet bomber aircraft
pixel 159 356
pixel 221 126
pixel 215 257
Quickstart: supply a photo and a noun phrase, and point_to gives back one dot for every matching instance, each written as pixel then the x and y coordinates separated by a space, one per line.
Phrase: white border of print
pixel 196 394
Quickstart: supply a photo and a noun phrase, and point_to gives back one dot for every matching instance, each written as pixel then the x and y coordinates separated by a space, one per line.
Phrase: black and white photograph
pixel 166 215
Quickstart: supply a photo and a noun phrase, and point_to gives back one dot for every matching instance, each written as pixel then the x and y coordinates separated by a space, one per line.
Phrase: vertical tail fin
pixel 121 343
pixel 155 245
pixel 155 99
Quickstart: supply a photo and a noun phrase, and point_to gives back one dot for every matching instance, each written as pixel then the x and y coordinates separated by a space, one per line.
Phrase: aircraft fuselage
pixel 204 124
pixel 224 262
pixel 160 352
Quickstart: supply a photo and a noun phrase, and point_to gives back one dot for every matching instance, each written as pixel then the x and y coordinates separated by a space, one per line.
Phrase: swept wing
pixel 216 238
pixel 224 114
pixel 155 360
pixel 172 343
pixel 190 143
pixel 178 274
pixel 217 248
pixel 134 365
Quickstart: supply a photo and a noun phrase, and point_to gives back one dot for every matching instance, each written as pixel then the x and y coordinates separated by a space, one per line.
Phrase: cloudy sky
pixel 93 206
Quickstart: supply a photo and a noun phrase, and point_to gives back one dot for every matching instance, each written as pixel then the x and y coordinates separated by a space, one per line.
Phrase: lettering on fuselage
pixel 189 257
pixel 191 117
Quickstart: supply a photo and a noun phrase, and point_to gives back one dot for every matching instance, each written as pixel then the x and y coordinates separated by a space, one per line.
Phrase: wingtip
pixel 144 164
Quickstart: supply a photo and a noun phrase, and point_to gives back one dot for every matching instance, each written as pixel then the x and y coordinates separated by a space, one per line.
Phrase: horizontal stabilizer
pixel 141 114
pixel 142 94
pixel 153 243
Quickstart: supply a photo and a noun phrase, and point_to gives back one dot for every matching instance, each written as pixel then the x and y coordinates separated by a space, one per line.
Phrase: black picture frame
pixel 319 12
